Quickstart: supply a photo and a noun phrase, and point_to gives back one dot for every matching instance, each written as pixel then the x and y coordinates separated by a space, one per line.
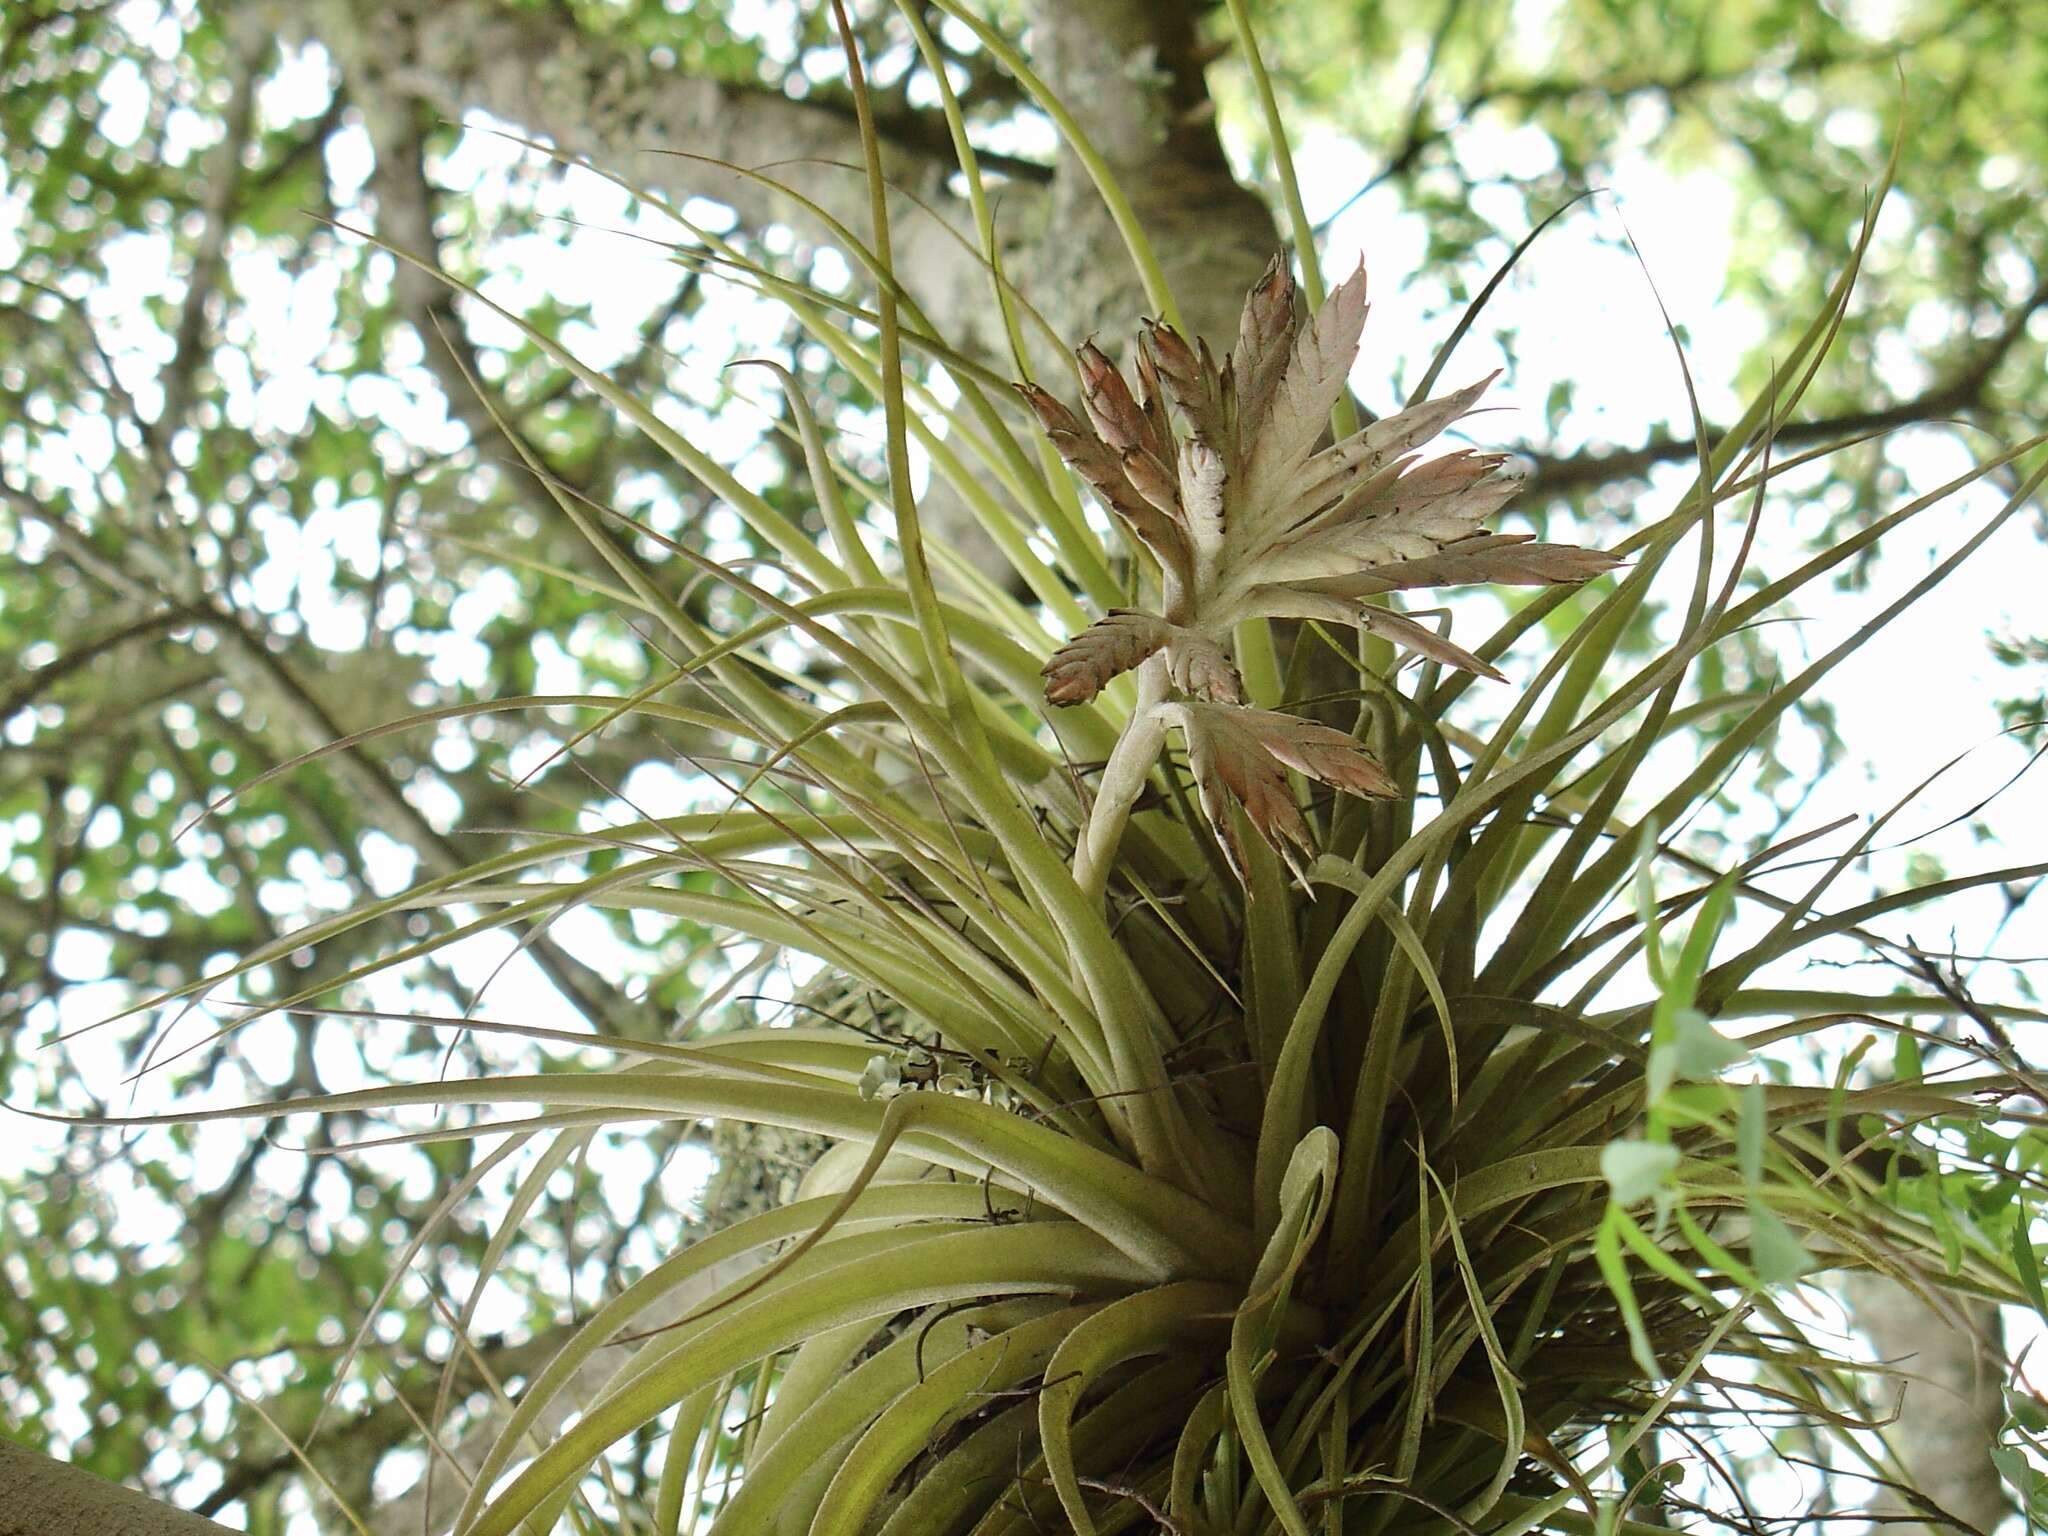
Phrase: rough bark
pixel 1132 72
pixel 40 1496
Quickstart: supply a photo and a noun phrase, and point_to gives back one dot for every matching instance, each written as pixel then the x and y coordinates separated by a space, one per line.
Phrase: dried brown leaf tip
pixel 1239 755
pixel 1213 468
pixel 1080 668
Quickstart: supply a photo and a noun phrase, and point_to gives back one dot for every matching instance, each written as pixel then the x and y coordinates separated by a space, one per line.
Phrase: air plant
pixel 1248 521
pixel 1166 1202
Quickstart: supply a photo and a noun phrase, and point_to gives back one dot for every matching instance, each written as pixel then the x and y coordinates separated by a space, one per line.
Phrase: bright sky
pixel 1583 312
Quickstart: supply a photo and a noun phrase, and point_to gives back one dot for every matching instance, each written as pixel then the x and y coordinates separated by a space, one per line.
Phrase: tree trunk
pixel 1131 72
pixel 1952 1406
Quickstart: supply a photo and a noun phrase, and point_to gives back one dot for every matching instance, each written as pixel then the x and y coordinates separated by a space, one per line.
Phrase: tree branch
pixel 209 261
pixel 1422 134
pixel 1953 1403
pixel 34 684
pixel 1965 391
pixel 41 1496
pixel 595 96
pixel 388 1425
pixel 246 661
pixel 149 569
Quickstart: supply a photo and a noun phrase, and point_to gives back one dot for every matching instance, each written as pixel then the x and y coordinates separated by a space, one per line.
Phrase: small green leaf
pixel 1841 1087
pixel 2027 1412
pixel 1906 1057
pixel 1699 939
pixel 1934 1196
pixel 1720 1258
pixel 1702 1050
pixel 1659 1260
pixel 2025 1263
pixel 2018 1472
pixel 1661 1073
pixel 1749 1136
pixel 1637 1169
pixel 1774 1250
pixel 1614 1270
pixel 1646 907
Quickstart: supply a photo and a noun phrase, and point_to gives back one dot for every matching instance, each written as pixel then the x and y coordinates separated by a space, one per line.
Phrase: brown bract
pixel 1238 753
pixel 1213 468
pixel 1079 669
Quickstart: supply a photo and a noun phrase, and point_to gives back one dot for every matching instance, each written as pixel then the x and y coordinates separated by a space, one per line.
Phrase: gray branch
pixel 1965 391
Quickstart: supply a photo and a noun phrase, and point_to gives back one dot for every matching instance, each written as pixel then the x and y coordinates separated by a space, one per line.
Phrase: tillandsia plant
pixel 1247 521
pixel 1404 1195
